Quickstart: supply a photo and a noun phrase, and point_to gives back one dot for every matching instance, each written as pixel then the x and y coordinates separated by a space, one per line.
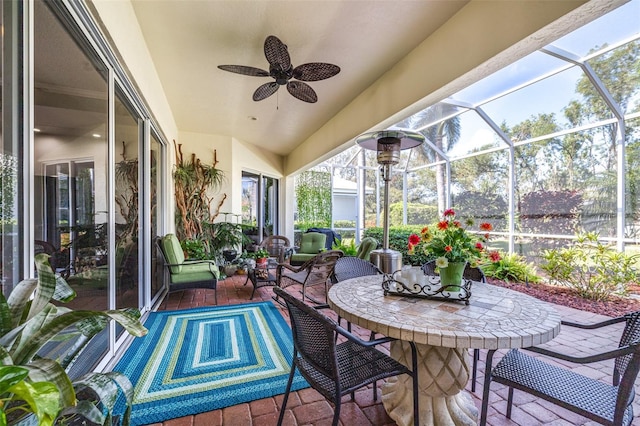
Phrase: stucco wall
pixel 233 157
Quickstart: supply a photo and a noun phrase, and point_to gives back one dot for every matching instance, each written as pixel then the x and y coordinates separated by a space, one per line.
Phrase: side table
pixel 262 275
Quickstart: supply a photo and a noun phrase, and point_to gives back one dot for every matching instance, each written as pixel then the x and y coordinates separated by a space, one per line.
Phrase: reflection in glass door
pixel 128 130
pixel 70 172
pixel 156 200
pixel 259 205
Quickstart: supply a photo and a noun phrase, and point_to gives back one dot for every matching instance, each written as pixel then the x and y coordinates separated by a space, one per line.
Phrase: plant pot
pixel 229 255
pixel 262 261
pixel 451 276
pixel 230 270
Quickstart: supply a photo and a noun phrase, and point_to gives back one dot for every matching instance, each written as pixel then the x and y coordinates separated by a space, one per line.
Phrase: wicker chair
pixel 598 401
pixel 470 273
pixel 278 247
pixel 352 267
pixel 337 369
pixel 317 270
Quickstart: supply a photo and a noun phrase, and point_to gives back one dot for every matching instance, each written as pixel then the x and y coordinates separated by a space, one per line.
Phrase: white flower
pixel 442 262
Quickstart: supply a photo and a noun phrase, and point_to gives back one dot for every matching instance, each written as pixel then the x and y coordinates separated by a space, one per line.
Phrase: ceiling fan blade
pixel 276 53
pixel 302 91
pixel 315 71
pixel 265 91
pixel 241 69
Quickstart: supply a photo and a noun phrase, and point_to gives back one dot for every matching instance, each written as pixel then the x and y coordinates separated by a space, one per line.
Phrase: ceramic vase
pixel 451 276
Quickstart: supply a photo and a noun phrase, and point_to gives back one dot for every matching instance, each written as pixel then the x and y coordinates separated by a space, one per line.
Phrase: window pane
pixel 549 97
pixel 127 215
pixel 11 212
pixel 526 69
pixel 70 168
pixel 157 276
pixel 632 229
pixel 618 71
pixel 617 25
pixel 567 184
pixel 475 135
pixel 479 189
pixel 422 197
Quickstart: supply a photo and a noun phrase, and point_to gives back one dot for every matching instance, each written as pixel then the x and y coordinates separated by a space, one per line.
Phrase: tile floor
pixel 307 407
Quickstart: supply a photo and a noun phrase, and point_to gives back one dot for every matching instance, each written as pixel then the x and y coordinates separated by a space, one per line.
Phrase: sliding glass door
pixel 259 205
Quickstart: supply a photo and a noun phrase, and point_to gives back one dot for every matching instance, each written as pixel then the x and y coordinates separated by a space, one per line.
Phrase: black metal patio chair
pixel 352 267
pixel 593 399
pixel 337 369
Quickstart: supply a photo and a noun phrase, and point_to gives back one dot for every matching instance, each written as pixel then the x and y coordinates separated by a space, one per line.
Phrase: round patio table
pixel 443 331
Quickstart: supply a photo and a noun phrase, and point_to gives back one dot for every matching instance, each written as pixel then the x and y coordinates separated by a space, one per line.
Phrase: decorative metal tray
pixel 397 285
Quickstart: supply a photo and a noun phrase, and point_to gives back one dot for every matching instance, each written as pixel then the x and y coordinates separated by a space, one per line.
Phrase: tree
pixel 444 135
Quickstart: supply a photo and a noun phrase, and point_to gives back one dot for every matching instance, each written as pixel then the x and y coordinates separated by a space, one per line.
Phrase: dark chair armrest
pixel 624 350
pixel 367 343
pixel 287 266
pixel 595 325
pixel 195 262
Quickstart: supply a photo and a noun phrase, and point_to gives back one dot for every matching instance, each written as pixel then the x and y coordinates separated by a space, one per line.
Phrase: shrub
pixel 594 270
pixel 511 267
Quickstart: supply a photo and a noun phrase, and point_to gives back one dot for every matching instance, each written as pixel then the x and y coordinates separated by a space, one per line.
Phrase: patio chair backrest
pixel 276 245
pixel 351 267
pixel 314 335
pixel 630 334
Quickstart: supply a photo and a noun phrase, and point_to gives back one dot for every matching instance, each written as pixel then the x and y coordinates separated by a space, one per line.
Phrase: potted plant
pixel 262 255
pixel 452 246
pixel 38 386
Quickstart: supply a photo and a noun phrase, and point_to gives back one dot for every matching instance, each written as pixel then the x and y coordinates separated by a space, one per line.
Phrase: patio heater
pixel 388 144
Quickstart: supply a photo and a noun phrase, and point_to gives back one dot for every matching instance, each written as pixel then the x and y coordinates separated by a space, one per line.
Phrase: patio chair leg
pixel 509 402
pixel 487 383
pixel 414 367
pixel 474 372
pixel 336 414
pixel 287 391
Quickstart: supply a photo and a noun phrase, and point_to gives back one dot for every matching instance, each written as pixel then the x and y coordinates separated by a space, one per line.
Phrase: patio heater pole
pixel 388 144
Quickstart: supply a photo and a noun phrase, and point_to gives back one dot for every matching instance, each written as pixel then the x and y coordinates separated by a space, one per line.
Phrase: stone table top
pixel 496 318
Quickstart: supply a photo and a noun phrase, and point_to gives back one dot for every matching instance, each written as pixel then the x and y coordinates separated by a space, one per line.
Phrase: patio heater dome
pixel 388 144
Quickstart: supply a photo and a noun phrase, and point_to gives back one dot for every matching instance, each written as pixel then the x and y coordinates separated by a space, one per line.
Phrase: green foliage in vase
pixel 594 270
pixel 511 267
pixel 28 321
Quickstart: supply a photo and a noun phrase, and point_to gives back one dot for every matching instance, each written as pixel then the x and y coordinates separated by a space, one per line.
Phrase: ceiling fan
pixel 283 72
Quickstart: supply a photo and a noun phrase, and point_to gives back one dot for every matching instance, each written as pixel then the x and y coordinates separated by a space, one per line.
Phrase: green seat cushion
pixel 312 243
pixel 191 277
pixel 367 245
pixel 173 252
pixel 203 266
pixel 300 258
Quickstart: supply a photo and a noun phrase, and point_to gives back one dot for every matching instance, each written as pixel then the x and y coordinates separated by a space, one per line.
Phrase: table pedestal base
pixel 442 375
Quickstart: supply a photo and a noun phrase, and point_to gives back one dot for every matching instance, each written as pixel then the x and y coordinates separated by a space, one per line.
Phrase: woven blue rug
pixel 197 360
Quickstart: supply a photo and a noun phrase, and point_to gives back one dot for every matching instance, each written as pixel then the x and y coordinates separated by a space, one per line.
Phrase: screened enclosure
pixel 543 149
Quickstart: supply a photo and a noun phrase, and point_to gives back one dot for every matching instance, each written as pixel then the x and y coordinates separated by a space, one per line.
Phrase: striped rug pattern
pixel 197 360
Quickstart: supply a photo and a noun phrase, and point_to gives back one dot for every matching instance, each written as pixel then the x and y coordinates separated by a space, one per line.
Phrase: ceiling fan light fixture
pixel 281 70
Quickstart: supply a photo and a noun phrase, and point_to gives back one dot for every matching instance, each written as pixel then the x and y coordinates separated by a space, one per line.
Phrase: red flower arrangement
pixel 450 242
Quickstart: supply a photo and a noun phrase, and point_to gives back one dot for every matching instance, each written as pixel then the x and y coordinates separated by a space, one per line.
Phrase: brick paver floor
pixel 308 407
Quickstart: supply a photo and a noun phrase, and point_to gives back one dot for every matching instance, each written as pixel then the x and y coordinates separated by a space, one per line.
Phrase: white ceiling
pixel 189 39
